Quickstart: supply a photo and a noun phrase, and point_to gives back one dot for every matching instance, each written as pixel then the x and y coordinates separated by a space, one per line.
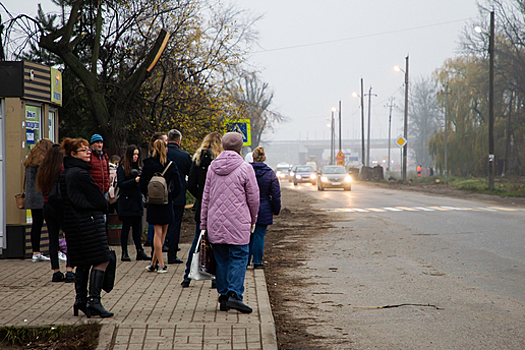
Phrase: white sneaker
pixel 62 256
pixel 39 257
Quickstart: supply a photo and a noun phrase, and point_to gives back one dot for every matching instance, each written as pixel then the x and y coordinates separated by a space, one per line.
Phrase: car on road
pixel 304 173
pixel 282 170
pixel 292 173
pixel 334 176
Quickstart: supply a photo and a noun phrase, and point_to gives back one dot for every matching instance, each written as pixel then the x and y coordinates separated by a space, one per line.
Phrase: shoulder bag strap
pixel 166 169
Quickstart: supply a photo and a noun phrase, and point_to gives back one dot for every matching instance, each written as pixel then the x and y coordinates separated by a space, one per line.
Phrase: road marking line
pixel 391 209
pixel 407 208
pixel 451 208
pixel 504 209
pixel 360 210
pixel 439 208
pixel 424 209
pixel 377 210
pixel 485 209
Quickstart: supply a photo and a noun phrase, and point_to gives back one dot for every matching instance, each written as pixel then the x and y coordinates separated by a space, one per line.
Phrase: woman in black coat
pixel 84 206
pixel 160 215
pixel 210 148
pixel 129 203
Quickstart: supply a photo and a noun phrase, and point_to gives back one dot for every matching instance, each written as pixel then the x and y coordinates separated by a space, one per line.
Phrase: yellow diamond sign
pixel 401 141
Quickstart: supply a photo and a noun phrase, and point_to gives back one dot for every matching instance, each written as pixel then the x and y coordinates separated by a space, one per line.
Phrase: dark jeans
pixel 257 244
pixel 173 234
pixel 192 250
pixel 53 228
pixel 133 222
pixel 36 228
pixel 231 267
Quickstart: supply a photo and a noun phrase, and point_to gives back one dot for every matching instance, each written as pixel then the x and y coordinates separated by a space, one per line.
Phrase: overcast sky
pixel 313 53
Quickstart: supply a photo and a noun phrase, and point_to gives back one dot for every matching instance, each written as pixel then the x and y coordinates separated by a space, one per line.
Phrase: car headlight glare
pixel 348 178
pixel 313 176
pixel 324 179
pixel 298 177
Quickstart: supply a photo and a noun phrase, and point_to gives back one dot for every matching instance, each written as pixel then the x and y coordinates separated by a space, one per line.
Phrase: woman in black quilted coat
pixel 84 206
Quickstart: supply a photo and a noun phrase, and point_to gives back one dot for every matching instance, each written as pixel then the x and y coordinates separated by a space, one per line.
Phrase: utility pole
pixel 405 132
pixel 491 102
pixel 369 112
pixel 390 130
pixel 446 130
pixel 362 124
pixel 340 140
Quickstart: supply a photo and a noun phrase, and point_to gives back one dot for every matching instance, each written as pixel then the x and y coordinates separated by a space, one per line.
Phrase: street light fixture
pixel 405 124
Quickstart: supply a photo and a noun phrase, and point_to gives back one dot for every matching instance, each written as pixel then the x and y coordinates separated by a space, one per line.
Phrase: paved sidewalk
pixel 152 311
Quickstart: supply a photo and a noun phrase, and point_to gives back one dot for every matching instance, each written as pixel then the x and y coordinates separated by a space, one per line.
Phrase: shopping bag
pixel 207 263
pixel 20 200
pixel 195 272
pixel 109 275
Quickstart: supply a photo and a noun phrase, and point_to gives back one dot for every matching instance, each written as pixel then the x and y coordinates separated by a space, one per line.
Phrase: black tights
pixel 36 228
pixel 135 223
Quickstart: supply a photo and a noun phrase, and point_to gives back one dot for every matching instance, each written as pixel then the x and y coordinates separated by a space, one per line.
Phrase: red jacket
pixel 100 170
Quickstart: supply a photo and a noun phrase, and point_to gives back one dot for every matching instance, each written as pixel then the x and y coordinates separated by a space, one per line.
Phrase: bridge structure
pixel 297 152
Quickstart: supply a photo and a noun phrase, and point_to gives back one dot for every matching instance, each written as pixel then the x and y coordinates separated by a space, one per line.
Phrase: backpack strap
pixel 166 169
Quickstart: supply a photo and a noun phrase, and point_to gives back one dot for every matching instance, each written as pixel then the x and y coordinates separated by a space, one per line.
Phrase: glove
pixel 252 229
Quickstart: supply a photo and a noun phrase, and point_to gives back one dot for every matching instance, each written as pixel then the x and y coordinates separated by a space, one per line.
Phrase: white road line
pixel 424 209
pixel 377 210
pixel 407 208
pixel 392 209
pixel 360 210
pixel 504 209
pixel 485 209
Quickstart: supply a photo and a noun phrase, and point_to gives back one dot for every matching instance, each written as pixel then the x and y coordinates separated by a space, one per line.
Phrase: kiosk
pixel 30 94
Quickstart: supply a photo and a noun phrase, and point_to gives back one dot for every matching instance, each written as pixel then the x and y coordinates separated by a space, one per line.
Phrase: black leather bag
pixel 109 275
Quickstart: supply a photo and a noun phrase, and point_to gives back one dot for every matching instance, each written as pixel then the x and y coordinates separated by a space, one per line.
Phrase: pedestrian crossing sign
pixel 242 126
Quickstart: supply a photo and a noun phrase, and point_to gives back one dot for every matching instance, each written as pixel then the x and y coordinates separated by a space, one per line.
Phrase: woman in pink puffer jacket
pixel 230 203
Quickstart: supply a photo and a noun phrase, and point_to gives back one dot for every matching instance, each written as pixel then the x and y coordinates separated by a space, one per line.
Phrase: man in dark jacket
pixel 99 163
pixel 183 161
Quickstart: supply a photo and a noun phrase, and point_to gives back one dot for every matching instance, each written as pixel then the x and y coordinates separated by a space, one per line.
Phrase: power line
pixel 362 36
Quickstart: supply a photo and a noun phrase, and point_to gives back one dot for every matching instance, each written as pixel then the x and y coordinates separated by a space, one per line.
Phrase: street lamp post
pixel 340 139
pixel 405 124
pixel 390 130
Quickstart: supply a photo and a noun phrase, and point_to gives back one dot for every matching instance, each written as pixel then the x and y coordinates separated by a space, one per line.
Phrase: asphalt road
pixel 407 270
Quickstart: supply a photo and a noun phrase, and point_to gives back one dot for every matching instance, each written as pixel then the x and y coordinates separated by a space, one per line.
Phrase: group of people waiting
pixel 235 202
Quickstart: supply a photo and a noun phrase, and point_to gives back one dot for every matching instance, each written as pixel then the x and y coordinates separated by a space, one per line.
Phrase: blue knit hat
pixel 95 138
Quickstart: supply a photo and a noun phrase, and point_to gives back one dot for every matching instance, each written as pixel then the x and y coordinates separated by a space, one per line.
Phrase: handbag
pixel 207 263
pixel 195 272
pixel 20 200
pixel 109 276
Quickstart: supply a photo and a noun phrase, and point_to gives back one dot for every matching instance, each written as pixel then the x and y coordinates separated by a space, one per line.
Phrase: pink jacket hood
pixel 230 200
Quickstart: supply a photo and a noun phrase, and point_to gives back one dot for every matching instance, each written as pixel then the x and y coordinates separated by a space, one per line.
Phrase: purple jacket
pixel 230 200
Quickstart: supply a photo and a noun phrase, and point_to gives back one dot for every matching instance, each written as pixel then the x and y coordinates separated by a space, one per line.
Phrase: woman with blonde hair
pixel 160 215
pixel 209 149
pixel 34 198
pixel 83 209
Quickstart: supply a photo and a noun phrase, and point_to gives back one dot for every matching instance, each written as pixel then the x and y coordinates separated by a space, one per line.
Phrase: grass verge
pixel 83 337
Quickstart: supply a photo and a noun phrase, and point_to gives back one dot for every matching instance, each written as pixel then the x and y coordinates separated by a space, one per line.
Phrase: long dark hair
pixel 49 168
pixel 127 163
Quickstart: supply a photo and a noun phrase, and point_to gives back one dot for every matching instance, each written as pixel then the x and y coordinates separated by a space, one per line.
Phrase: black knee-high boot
pixel 94 307
pixel 81 282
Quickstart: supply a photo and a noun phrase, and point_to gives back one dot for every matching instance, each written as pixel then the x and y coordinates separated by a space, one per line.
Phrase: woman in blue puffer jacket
pixel 270 205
